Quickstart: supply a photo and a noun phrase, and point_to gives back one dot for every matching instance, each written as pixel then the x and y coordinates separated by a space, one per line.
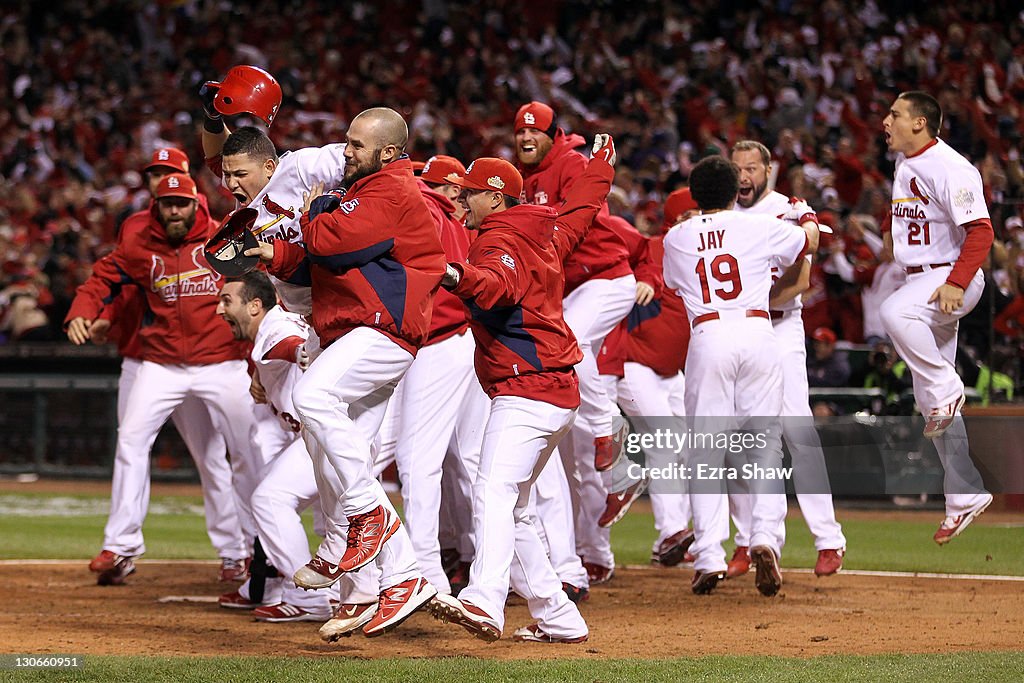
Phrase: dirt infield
pixel 643 613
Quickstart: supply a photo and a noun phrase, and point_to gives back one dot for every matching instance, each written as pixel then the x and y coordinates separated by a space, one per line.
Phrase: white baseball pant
pixel 551 510
pixel 810 475
pixel 287 488
pixel 206 446
pixel 645 393
pixel 341 400
pixel 438 392
pixel 925 338
pixel 157 391
pixel 734 380
pixel 520 436
pixel 592 311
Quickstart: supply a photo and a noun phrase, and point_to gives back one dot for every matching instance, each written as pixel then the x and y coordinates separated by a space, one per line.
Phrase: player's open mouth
pixel 746 191
pixel 528 148
pixel 242 199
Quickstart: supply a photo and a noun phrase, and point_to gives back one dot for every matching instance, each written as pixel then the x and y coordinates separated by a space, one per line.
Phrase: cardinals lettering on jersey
pixel 198 281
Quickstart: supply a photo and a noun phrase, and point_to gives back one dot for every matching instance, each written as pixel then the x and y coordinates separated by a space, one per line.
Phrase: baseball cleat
pixel 397 604
pixel 739 564
pixel 704 582
pixel 952 527
pixel 598 574
pixel 608 449
pixel 318 573
pixel 829 562
pixel 367 534
pixel 347 618
pixel 767 575
pixel 941 419
pixel 467 615
pixel 235 600
pixel 112 569
pixel 673 549
pixel 233 570
pixel 534 634
pixel 284 611
pixel 576 595
pixel 617 504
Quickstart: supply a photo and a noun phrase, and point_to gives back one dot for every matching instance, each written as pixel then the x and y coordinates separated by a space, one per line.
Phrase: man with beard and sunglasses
pixel 186 352
pixel 374 260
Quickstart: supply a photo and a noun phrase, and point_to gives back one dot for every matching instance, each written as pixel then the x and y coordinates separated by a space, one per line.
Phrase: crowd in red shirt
pixel 89 90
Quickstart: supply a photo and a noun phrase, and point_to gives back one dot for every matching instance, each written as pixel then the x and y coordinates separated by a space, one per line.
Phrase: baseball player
pixel 440 406
pixel 810 476
pixel 256 176
pixel 599 291
pixel 374 261
pixel 119 323
pixel 720 264
pixel 525 356
pixel 186 352
pixel 940 234
pixel 288 485
pixel 653 385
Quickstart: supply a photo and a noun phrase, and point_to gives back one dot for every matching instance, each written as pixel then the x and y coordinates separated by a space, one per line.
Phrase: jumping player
pixel 941 234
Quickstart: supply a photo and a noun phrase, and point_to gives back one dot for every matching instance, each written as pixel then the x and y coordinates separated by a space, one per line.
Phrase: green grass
pixel 988 667
pixel 891 545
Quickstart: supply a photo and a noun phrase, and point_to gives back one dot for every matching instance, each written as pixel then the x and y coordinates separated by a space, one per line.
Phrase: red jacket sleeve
pixel 109 276
pixel 285 349
pixel 288 258
pixel 581 206
pixel 352 235
pixel 972 254
pixel 493 280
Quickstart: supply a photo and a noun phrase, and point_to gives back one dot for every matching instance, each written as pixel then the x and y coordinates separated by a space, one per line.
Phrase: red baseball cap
pixel 442 169
pixel 824 334
pixel 536 115
pixel 489 173
pixel 177 185
pixel 677 203
pixel 169 157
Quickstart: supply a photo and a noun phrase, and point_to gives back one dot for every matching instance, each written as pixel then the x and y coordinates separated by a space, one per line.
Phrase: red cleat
pixel 367 534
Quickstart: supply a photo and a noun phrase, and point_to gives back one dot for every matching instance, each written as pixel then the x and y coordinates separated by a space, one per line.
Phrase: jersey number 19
pixel 724 270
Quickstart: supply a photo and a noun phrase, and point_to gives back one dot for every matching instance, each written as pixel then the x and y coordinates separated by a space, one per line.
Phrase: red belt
pixel 715 316
pixel 914 270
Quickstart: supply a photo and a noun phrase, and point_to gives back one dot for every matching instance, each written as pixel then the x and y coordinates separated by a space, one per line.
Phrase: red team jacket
pixel 180 290
pixel 375 261
pixel 659 333
pixel 127 312
pixel 512 285
pixel 602 254
pixel 449 316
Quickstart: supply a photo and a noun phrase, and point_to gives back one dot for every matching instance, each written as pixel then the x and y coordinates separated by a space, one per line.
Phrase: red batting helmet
pixel 225 251
pixel 249 89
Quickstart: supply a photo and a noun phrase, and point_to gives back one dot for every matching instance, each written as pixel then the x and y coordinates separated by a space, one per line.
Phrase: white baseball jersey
pixel 278 377
pixel 776 204
pixel 722 261
pixel 934 192
pixel 280 206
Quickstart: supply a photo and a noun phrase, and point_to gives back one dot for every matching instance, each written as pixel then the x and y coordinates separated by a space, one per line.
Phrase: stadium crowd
pixel 90 89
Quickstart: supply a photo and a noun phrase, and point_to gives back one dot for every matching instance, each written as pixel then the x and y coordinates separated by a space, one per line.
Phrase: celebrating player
pixel 810 477
pixel 940 234
pixel 720 263
pixel 374 261
pixel 525 355
pixel 186 352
